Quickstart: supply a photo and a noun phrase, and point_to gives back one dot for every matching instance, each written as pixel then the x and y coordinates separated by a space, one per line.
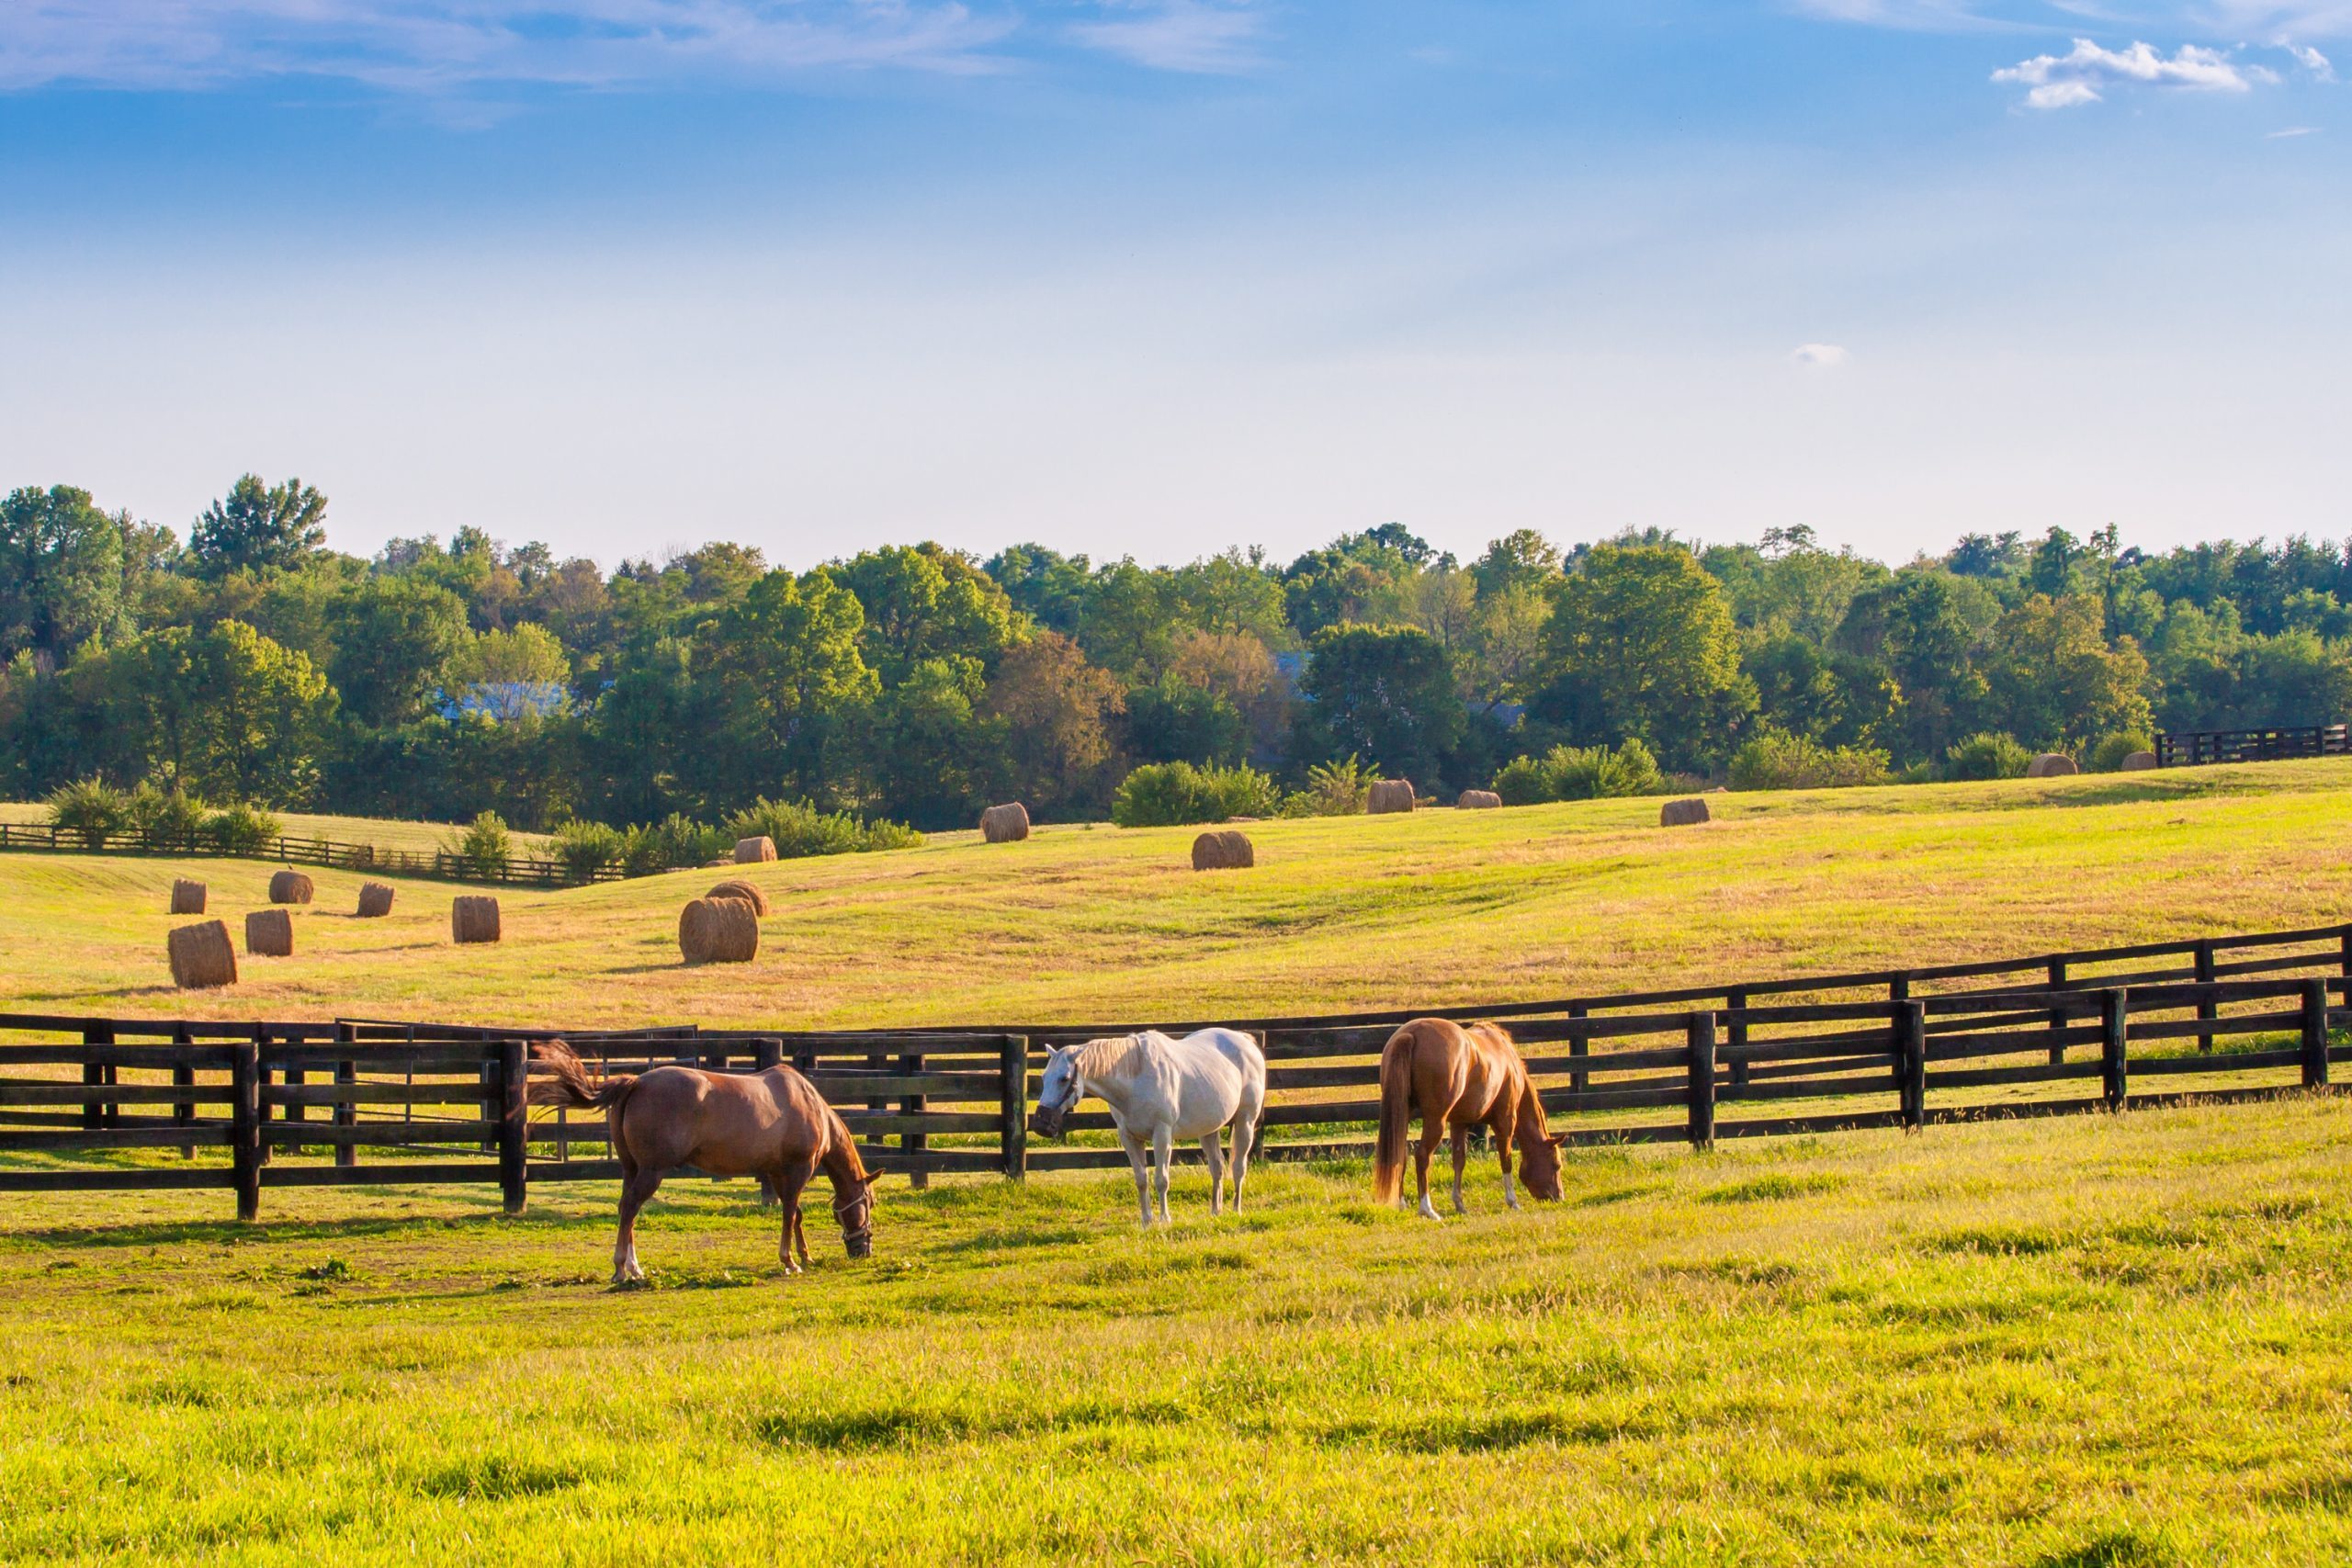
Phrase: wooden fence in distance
pixel 523 871
pixel 2191 749
pixel 105 1102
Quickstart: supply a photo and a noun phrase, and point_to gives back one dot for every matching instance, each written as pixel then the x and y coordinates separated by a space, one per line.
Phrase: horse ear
pixel 1556 1139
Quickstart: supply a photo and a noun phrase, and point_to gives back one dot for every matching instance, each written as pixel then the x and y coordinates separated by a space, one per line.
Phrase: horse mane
pixel 1531 1125
pixel 840 1138
pixel 1104 1058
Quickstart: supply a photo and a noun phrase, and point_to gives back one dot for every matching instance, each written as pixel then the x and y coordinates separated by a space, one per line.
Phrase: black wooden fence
pixel 525 871
pixel 95 1103
pixel 2191 748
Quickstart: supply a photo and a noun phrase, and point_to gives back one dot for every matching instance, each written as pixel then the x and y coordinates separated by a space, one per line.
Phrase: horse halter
pixel 845 1207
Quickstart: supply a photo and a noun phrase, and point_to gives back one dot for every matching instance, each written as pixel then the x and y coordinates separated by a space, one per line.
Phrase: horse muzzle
pixel 860 1244
pixel 1049 1120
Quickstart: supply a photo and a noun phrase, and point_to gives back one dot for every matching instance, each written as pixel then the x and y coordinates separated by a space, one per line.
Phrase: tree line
pixel 437 680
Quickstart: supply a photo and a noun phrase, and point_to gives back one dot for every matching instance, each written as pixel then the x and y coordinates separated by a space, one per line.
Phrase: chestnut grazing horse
pixel 1460 1078
pixel 770 1124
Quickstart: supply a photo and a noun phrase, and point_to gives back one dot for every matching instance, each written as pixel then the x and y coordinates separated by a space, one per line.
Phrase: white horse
pixel 1160 1089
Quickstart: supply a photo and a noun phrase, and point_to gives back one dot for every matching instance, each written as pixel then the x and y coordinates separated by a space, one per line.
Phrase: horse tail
pixel 1396 1115
pixel 568 1083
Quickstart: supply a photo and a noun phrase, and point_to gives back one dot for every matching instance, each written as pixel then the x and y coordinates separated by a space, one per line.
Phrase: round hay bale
pixel 1389 794
pixel 473 917
pixel 269 933
pixel 1682 813
pixel 1224 850
pixel 750 852
pixel 289 888
pixel 1005 824
pixel 188 898
pixel 375 900
pixel 1478 800
pixel 736 887
pixel 202 957
pixel 2050 765
pixel 2139 761
pixel 718 930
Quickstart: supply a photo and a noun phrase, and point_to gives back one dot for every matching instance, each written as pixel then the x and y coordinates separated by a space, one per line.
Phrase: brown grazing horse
pixel 1460 1078
pixel 770 1124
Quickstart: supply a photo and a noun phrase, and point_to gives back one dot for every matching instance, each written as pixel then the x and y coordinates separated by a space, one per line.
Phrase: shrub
pixel 1333 789
pixel 482 848
pixel 1580 773
pixel 91 808
pixel 166 816
pixel 1159 794
pixel 1989 755
pixel 800 829
pixel 1774 759
pixel 241 829
pixel 583 848
pixel 675 842
pixel 2106 757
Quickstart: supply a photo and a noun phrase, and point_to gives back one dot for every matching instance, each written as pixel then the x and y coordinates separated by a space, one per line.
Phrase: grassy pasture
pixel 1080 924
pixel 2117 1340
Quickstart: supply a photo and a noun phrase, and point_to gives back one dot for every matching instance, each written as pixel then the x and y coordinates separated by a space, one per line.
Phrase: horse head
pixel 1539 1164
pixel 1061 1091
pixel 854 1211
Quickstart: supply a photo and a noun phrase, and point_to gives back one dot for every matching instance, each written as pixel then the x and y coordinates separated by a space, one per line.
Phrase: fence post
pixel 2113 1006
pixel 765 1053
pixel 346 1109
pixel 295 1110
pixel 914 1144
pixel 1012 1104
pixel 2057 1015
pixel 2315 1033
pixel 514 1124
pixel 261 1093
pixel 1736 1032
pixel 2206 1009
pixel 1579 1045
pixel 486 1105
pixel 97 1112
pixel 1911 1056
pixel 184 1077
pixel 1703 1080
pixel 244 1126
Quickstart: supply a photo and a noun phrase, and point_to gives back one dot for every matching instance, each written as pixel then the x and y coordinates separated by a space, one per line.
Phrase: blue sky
pixel 1163 275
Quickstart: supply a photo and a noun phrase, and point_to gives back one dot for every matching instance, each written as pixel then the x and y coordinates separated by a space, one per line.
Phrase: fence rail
pixel 97 1103
pixel 2191 749
pixel 524 871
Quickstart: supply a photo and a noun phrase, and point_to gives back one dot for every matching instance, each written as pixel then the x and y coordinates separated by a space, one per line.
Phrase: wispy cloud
pixel 2292 130
pixel 2190 18
pixel 443 45
pixel 1818 356
pixel 2062 81
pixel 2313 60
pixel 1209 37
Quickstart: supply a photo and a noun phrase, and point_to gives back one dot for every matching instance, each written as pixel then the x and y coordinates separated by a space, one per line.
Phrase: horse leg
pixel 1163 1154
pixel 1245 1136
pixel 1212 1154
pixel 1432 1131
pixel 790 1183
pixel 639 1184
pixel 1504 1129
pixel 1461 1159
pixel 1134 1146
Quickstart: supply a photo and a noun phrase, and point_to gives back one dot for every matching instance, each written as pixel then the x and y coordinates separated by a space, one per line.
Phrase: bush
pixel 241 829
pixel 583 848
pixel 1991 755
pixel 675 842
pixel 1333 789
pixel 1161 795
pixel 91 808
pixel 482 848
pixel 1774 759
pixel 2106 757
pixel 1580 773
pixel 166 816
pixel 800 829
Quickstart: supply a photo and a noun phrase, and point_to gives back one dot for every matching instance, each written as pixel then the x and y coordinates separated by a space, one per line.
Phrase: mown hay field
pixel 2117 1340
pixel 1081 924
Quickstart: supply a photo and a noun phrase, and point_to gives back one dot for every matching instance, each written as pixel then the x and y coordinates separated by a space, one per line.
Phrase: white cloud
pixel 2062 80
pixel 2292 130
pixel 1202 36
pixel 1819 355
pixel 2313 60
pixel 441 44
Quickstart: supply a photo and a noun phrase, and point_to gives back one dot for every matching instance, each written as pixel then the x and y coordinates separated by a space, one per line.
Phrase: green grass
pixel 2121 1340
pixel 2098 1340
pixel 1441 906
